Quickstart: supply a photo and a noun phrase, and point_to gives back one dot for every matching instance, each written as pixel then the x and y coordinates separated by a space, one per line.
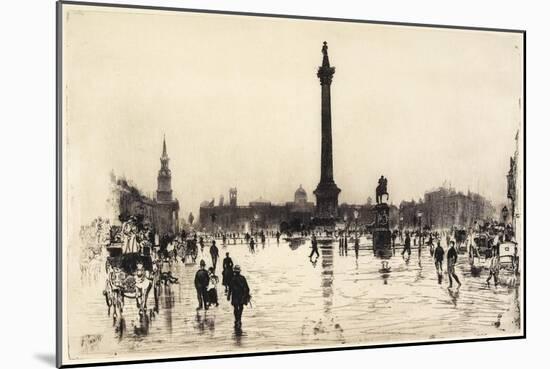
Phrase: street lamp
pixel 345 222
pixel 256 216
pixel 356 216
pixel 419 215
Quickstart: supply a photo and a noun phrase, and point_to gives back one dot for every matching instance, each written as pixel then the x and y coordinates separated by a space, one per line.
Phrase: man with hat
pixel 452 258
pixel 239 294
pixel 201 284
pixel 214 253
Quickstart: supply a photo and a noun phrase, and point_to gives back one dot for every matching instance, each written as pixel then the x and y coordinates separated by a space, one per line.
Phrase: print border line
pixel 59 188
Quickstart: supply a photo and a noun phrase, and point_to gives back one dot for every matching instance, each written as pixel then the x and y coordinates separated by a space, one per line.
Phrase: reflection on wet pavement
pixel 299 302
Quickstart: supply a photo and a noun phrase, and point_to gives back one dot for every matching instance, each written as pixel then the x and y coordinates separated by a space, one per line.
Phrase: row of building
pixel 439 209
pixel 442 208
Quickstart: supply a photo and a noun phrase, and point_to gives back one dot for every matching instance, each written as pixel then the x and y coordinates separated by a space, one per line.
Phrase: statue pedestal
pixel 381 234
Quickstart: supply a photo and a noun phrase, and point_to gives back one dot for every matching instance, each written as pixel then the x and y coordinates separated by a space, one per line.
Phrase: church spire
pixel 164 178
pixel 164 153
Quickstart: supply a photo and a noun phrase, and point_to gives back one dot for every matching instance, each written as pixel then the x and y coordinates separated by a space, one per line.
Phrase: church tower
pixel 233 197
pixel 164 178
pixel 166 208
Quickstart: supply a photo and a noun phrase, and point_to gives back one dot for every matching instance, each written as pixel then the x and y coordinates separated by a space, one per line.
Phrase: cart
pixel 129 276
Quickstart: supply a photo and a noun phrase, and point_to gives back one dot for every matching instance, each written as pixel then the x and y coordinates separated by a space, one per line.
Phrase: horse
pixel 380 192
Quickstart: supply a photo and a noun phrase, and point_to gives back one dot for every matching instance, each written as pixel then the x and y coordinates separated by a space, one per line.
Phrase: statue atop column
pixel 382 189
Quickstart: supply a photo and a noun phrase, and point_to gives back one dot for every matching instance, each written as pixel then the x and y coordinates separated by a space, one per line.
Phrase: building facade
pixel 444 208
pixel 293 215
pixel 258 214
pixel 161 211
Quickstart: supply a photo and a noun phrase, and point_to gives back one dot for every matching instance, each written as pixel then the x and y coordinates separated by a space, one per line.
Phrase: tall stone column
pixel 327 192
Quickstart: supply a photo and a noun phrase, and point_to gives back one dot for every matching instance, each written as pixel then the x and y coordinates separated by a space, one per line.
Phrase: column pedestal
pixel 381 234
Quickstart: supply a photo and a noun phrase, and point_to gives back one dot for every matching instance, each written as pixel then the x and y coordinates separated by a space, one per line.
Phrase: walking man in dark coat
pixel 452 258
pixel 239 294
pixel 314 248
pixel 439 254
pixel 214 253
pixel 407 245
pixel 201 284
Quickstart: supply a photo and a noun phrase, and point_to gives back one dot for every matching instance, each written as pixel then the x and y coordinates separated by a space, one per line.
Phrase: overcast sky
pixel 240 104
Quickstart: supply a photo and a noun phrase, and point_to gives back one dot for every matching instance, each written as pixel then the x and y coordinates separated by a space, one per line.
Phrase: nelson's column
pixel 326 191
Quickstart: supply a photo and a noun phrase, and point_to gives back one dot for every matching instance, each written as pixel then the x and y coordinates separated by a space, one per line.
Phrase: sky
pixel 239 102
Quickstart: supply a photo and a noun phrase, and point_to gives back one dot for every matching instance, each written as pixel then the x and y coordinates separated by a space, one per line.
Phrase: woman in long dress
pixel 227 271
pixel 211 292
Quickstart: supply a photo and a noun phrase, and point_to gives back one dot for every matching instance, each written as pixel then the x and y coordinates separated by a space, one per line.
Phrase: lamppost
pixel 256 216
pixel 356 216
pixel 345 223
pixel 419 215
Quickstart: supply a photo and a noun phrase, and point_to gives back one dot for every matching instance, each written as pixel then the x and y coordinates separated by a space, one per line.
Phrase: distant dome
pixel 205 204
pixel 300 195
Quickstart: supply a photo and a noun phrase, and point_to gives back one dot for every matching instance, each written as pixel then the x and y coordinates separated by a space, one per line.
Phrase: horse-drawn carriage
pixel 461 238
pixel 190 250
pixel 130 276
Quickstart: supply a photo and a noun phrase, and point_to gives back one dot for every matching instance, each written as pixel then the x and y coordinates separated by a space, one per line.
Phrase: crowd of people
pixel 136 237
pixel 235 285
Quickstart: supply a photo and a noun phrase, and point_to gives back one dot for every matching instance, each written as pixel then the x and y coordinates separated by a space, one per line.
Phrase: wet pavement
pixel 298 303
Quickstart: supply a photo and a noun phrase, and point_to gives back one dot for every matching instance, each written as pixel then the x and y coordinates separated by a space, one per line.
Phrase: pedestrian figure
pixel 212 293
pixel 452 258
pixel 214 253
pixel 278 235
pixel 252 243
pixel 439 254
pixel 227 271
pixel 314 249
pixel 494 267
pixel 346 245
pixel 239 294
pixel 201 283
pixel 431 244
pixel 201 243
pixel 407 245
pixel 356 248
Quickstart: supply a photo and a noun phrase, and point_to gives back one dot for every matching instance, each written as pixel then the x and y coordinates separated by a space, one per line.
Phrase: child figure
pixel 212 293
